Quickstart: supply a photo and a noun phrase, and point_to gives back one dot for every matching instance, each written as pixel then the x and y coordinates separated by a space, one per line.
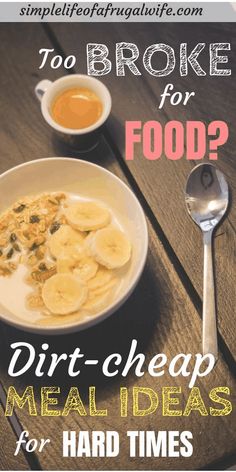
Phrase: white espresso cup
pixel 82 139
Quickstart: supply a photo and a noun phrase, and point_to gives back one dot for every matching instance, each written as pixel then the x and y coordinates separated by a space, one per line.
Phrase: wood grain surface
pixel 7 447
pixel 160 314
pixel 162 182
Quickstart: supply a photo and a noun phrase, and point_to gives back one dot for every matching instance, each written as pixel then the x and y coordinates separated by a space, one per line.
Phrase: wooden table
pixel 164 312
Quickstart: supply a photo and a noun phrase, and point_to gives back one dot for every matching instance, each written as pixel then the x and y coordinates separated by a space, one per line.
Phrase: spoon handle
pixel 209 331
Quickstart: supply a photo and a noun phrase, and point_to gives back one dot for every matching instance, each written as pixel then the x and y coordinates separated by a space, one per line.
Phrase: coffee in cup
pixel 75 106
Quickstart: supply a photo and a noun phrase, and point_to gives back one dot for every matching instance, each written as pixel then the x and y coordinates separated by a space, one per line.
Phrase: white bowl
pixel 90 181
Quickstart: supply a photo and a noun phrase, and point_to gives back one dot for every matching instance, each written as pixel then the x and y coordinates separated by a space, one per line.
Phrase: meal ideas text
pixel 185 365
pixel 174 139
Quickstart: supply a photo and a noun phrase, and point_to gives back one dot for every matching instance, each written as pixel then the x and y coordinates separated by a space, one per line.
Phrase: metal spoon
pixel 207 198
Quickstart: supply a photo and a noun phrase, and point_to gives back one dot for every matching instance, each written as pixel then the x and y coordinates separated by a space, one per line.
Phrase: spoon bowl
pixel 207 198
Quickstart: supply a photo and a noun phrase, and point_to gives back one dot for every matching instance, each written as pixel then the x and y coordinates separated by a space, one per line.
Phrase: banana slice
pixel 64 294
pixel 110 286
pixel 83 267
pixel 101 279
pixel 89 238
pixel 86 268
pixel 65 265
pixel 66 241
pixel 87 216
pixel 96 303
pixel 54 320
pixel 111 248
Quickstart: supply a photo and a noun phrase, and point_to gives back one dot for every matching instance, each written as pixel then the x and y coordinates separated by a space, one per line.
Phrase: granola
pixel 24 228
